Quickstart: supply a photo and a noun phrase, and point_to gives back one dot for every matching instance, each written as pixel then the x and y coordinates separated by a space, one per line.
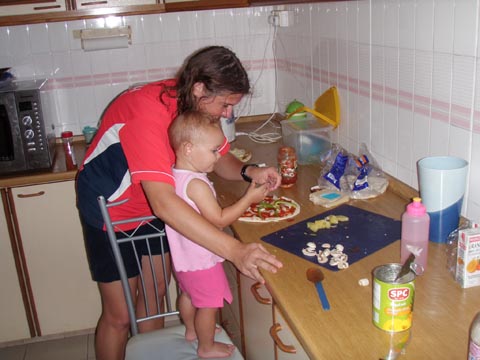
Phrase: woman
pixel 131 158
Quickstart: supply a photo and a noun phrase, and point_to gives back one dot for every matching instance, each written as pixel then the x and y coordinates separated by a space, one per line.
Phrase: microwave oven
pixel 27 137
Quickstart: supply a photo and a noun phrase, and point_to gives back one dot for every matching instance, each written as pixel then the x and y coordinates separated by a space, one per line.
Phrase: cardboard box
pixel 468 258
pixel 309 137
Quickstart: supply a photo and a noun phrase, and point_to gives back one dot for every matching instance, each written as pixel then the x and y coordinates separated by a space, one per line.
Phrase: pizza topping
pixel 272 208
pixel 334 257
pixel 328 222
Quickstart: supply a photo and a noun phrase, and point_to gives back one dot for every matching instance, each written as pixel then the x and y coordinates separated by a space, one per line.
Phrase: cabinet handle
pixel 274 329
pixel 90 3
pixel 24 196
pixel 262 300
pixel 47 7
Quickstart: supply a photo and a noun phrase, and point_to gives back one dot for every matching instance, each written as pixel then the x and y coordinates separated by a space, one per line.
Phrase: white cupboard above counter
pixel 92 4
pixel 20 7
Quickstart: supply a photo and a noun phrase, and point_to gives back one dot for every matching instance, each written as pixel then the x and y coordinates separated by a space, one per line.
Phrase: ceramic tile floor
pixel 69 348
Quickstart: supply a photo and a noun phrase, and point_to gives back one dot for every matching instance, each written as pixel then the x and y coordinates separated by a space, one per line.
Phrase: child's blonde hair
pixel 188 126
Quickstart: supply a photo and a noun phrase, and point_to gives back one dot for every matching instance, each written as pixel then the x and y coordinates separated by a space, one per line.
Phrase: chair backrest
pixel 117 237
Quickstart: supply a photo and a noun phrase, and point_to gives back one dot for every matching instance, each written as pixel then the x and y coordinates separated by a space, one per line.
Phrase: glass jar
pixel 70 160
pixel 287 166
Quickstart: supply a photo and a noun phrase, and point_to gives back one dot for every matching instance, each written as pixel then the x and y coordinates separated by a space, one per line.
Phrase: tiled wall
pixel 85 82
pixel 406 71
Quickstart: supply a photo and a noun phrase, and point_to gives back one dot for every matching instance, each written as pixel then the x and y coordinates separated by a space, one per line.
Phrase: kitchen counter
pixel 58 172
pixel 443 311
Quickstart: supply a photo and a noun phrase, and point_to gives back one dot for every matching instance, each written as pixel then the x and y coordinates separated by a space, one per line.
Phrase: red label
pixel 398 294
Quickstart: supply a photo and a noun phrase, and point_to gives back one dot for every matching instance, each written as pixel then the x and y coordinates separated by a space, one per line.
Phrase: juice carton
pixel 468 258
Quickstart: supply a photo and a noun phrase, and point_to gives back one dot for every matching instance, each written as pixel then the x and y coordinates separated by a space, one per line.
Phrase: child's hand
pixel 256 193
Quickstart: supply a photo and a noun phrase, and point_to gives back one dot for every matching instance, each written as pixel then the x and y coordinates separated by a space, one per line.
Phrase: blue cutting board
pixel 364 234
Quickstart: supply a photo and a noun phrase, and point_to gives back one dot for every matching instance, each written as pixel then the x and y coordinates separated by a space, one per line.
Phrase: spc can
pixel 392 300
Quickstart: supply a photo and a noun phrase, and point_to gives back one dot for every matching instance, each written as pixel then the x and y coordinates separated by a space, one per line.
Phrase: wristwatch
pixel 244 175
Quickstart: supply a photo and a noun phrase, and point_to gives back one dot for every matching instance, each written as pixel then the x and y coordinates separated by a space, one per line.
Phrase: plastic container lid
pixel 67 134
pixel 416 208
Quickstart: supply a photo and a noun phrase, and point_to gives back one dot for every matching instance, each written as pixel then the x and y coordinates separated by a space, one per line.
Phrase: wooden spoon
pixel 315 275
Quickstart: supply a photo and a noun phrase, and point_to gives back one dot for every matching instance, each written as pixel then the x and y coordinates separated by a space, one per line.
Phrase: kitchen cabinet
pixel 267 334
pixel 257 320
pixel 13 319
pixel 64 298
pixel 287 347
pixel 186 5
pixel 20 7
pixel 92 4
pixel 230 314
pixel 20 12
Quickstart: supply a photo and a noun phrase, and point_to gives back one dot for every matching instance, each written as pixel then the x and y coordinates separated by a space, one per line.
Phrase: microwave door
pixel 12 157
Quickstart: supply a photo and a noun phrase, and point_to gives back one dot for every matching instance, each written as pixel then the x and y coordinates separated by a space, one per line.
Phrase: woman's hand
pixel 249 258
pixel 265 175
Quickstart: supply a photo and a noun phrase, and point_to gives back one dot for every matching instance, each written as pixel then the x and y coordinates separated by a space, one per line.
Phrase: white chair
pixel 165 344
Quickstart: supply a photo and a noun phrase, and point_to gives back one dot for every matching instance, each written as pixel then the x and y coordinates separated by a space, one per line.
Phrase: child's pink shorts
pixel 207 288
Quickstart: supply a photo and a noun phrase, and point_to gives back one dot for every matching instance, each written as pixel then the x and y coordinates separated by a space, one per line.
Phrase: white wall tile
pixel 153 28
pixel 378 22
pixel 424 24
pixel 406 21
pixel 473 190
pixel 391 27
pixel 137 27
pixel 58 37
pixel 205 25
pixel 406 126
pixel 352 20
pixel 443 32
pixel 464 22
pixel 459 144
pixel 378 118
pixel 39 39
pixel 187 25
pixel 364 25
pixel 61 65
pixel 418 140
pixel 43 66
pixel 442 77
pixel 18 41
pixel 81 62
pixel 100 62
pixel 439 138
pixel 462 80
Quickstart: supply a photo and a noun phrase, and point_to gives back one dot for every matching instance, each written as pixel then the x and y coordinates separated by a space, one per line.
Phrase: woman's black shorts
pixel 100 255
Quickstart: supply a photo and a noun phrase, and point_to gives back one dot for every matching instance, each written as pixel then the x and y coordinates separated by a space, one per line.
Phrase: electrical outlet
pixel 285 18
pixel 282 18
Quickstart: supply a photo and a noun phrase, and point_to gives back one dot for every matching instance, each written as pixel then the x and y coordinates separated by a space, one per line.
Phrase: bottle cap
pixel 67 134
pixel 416 208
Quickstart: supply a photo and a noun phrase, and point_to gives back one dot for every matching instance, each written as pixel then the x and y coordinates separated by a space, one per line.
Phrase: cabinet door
pixel 230 313
pixel 13 319
pixel 20 7
pixel 286 344
pixel 66 298
pixel 257 320
pixel 91 4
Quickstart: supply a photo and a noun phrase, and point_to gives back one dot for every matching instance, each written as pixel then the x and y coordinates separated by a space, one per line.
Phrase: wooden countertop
pixel 443 311
pixel 57 173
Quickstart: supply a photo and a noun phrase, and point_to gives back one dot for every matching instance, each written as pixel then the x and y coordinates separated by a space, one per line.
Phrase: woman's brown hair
pixel 218 68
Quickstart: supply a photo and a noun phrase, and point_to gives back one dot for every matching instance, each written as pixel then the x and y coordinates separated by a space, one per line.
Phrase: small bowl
pixel 89 132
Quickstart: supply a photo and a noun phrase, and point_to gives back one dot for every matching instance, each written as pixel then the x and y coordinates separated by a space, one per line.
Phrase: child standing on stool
pixel 197 140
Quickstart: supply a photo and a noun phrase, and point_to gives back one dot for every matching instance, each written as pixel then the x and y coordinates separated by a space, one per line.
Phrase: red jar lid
pixel 67 134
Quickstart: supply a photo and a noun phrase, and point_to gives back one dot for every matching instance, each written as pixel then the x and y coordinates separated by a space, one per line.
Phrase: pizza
pixel 272 208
